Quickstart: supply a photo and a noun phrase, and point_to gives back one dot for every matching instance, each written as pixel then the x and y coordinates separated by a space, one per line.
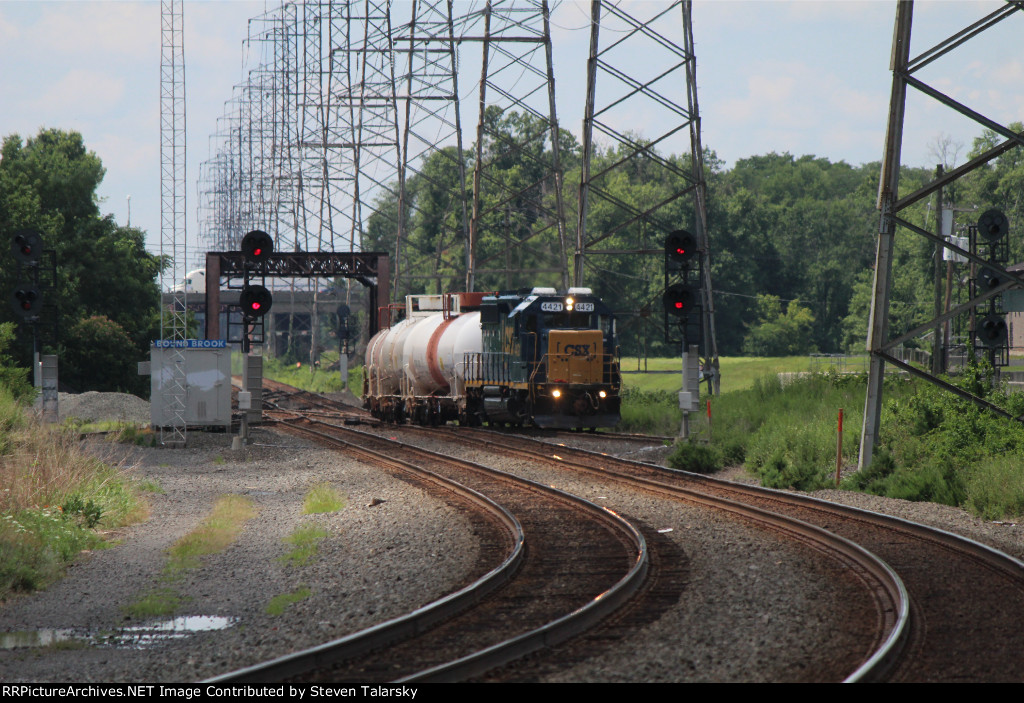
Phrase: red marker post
pixel 839 447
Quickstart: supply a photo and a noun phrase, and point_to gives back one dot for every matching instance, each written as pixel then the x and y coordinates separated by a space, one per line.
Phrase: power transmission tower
pixel 431 126
pixel 891 204
pixel 515 228
pixel 614 94
pixel 173 325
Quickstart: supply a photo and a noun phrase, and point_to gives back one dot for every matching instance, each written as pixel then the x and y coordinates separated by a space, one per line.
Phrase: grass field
pixel 738 372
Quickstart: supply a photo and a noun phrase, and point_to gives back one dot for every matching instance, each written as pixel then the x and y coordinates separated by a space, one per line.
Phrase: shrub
pixel 995 488
pixel 696 458
pixel 98 357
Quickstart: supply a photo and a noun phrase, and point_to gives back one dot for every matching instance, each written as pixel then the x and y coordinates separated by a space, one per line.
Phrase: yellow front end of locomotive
pixel 575 357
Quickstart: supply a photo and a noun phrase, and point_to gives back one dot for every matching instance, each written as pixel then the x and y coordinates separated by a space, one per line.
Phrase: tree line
pixel 792 241
pixel 792 238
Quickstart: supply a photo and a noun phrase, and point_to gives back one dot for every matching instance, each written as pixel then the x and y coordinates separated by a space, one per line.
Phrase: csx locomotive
pixel 533 357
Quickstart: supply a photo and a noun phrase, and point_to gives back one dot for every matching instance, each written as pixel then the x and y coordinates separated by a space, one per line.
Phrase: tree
pixel 95 357
pixel 779 333
pixel 49 183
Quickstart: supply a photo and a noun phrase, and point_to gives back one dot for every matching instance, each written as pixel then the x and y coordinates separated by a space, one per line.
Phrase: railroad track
pixel 889 608
pixel 967 600
pixel 548 591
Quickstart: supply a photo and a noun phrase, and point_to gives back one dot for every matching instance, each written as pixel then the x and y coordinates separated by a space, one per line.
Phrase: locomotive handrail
pixel 481 367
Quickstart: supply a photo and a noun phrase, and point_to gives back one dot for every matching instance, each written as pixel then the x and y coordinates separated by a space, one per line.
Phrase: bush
pixel 13 379
pixel 98 357
pixel 995 488
pixel 696 458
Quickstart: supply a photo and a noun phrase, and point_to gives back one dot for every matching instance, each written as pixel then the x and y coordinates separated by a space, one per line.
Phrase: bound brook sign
pixel 190 343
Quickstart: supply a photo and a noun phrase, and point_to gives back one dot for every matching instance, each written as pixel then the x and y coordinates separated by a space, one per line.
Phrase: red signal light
pixel 26 302
pixel 255 301
pixel 680 246
pixel 26 247
pixel 681 299
pixel 257 246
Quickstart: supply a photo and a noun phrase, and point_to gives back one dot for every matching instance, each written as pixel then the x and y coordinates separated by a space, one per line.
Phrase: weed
pixel 150 486
pixel 305 541
pixel 279 603
pixel 322 498
pixel 213 535
pixel 86 511
pixel 995 488
pixel 158 602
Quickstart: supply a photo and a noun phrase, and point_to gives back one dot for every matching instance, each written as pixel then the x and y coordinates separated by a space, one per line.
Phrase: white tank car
pixel 195 282
pixel 420 359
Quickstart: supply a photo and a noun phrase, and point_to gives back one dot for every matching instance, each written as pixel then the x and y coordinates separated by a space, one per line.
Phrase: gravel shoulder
pixel 390 549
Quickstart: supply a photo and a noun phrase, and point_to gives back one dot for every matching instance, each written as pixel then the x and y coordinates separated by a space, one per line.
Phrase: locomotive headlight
pixel 569 303
pixel 556 393
pixel 602 394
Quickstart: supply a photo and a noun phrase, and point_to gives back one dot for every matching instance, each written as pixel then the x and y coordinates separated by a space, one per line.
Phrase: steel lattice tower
pixel 670 87
pixel 905 67
pixel 172 210
pixel 516 232
pixel 431 128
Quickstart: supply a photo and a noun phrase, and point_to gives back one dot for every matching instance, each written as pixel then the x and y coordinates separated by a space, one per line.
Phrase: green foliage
pixel 157 602
pixel 96 358
pixel 305 541
pixel 935 481
pixel 303 375
pixel 84 510
pixel 696 458
pixel 49 183
pixel 322 498
pixel 995 488
pixel 279 603
pixel 786 434
pixel 53 497
pixel 654 412
pixel 779 333
pixel 215 534
pixel 12 378
pixel 35 545
pixel 792 227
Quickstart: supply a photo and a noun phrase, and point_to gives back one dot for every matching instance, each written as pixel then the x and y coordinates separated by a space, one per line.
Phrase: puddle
pixel 139 637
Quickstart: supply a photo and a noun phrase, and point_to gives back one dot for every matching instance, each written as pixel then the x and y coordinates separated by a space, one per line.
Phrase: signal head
pixel 680 299
pixel 27 247
pixel 255 301
pixel 257 246
pixel 680 246
pixel 993 225
pixel 992 331
pixel 26 302
pixel 988 279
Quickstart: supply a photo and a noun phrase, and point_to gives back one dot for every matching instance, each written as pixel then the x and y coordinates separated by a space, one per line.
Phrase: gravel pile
pixel 743 616
pixel 96 407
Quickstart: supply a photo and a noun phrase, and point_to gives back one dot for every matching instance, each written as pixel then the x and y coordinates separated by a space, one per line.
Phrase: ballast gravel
pixel 388 550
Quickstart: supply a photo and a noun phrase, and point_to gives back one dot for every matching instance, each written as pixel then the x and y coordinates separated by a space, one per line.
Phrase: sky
pixel 800 77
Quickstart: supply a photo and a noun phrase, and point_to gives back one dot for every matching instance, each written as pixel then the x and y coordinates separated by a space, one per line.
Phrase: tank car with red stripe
pixel 536 357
